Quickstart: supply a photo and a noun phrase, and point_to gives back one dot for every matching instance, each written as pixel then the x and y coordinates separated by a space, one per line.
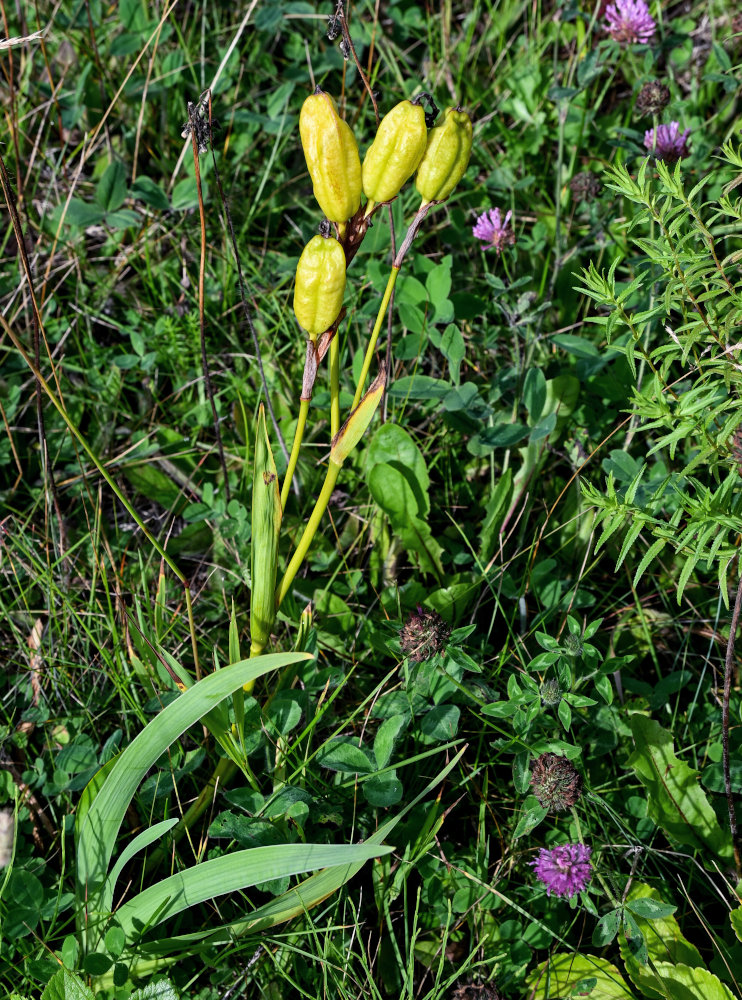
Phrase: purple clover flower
pixel 564 870
pixel 629 21
pixel 666 142
pixel 495 231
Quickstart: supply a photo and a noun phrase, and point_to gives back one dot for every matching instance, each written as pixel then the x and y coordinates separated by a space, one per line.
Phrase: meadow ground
pixel 454 710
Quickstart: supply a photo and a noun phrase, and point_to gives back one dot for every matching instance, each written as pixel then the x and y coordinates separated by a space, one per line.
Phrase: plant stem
pixel 310 531
pixel 728 668
pixel 301 423
pixel 334 386
pixel 375 334
pixel 606 888
pixel 193 114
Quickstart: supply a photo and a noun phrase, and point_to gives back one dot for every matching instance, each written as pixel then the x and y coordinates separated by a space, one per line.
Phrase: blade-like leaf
pixel 355 426
pixel 145 838
pixel 266 528
pixel 103 820
pixel 231 872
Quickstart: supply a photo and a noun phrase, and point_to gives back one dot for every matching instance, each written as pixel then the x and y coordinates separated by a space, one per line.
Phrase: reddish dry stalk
pixel 728 667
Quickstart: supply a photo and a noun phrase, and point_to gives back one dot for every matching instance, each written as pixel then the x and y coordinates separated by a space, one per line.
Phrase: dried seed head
pixel 475 991
pixel 585 186
pixel 652 98
pixel 555 781
pixel 551 693
pixel 423 635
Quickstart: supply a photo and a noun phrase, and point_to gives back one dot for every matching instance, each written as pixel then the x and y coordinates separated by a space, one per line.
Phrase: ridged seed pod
pixel 446 158
pixel 320 284
pixel 395 153
pixel 331 152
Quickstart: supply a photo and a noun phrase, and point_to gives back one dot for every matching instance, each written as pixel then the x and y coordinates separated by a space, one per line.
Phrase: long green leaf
pixel 105 815
pixel 231 872
pixel 266 528
pixel 676 802
pixel 144 839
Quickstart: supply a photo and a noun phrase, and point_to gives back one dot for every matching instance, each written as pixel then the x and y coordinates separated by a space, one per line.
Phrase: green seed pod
pixel 395 153
pixel 446 158
pixel 331 152
pixel 320 284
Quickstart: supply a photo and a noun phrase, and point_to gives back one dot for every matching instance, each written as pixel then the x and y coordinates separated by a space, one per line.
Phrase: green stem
pixel 116 491
pixel 375 335
pixel 296 446
pixel 310 531
pixel 606 888
pixel 334 386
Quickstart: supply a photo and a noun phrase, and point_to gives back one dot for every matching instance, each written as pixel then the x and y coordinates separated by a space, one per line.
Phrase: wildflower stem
pixel 334 386
pixel 728 670
pixel 301 423
pixel 375 335
pixel 333 470
pixel 606 888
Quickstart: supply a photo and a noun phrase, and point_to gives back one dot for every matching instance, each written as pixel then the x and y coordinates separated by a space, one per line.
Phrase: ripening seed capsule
pixel 320 284
pixel 446 158
pixel 395 153
pixel 331 152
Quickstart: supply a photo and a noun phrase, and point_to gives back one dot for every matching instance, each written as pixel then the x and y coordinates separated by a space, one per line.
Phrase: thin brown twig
pixel 728 668
pixel 197 129
pixel 37 329
pixel 243 298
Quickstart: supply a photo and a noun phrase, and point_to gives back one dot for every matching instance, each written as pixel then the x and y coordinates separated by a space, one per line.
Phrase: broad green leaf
pixel 151 482
pixel 441 723
pixel 103 820
pixel 111 190
pixel 162 990
pixel 681 982
pixel 232 872
pixel 649 908
pixel 344 754
pixel 266 528
pixel 676 802
pixel 393 445
pixel 392 491
pixel 65 986
pixel 663 937
pixel 529 821
pixel 386 736
pixel 736 918
pixel 607 928
pixel 383 790
pixel 556 978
